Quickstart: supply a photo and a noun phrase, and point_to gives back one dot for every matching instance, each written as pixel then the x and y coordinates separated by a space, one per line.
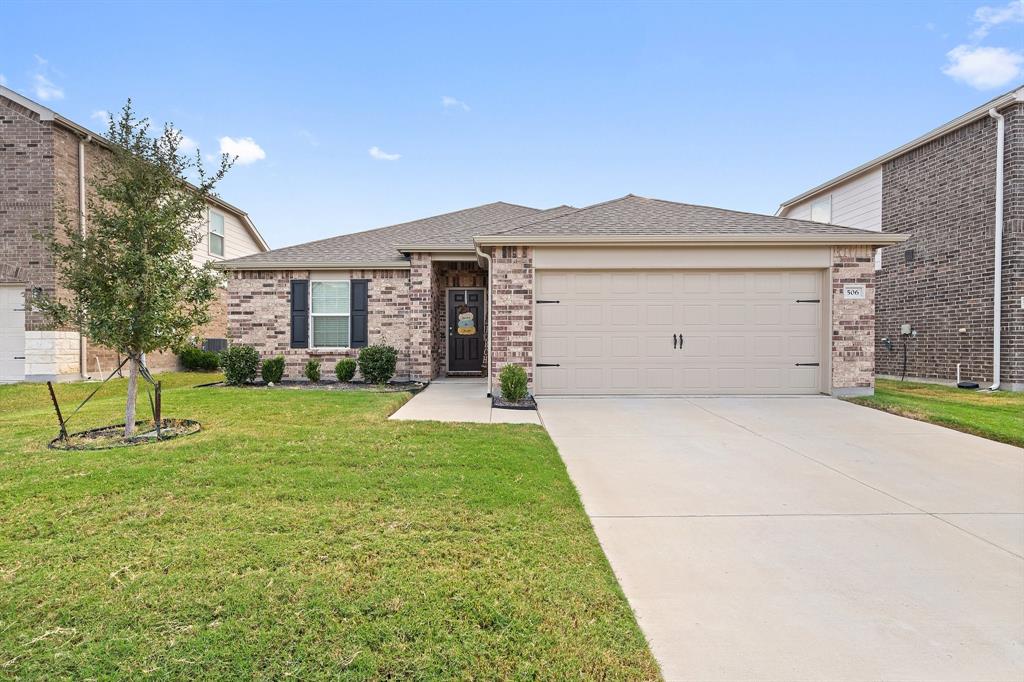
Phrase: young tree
pixel 130 281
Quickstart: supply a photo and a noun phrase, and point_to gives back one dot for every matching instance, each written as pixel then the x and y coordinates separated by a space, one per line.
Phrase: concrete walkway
pixel 460 400
pixel 804 538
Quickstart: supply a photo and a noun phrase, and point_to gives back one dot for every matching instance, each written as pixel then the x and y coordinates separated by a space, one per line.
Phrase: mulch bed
pixel 329 385
pixel 528 403
pixel 109 437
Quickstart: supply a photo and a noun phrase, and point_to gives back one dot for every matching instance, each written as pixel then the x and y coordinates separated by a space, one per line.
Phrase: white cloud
pixel 245 148
pixel 381 155
pixel 989 17
pixel 3 79
pixel 45 88
pixel 188 145
pixel 452 103
pixel 983 67
pixel 101 116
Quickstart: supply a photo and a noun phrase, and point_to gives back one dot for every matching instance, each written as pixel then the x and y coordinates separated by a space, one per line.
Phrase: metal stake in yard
pixel 60 417
pixel 156 414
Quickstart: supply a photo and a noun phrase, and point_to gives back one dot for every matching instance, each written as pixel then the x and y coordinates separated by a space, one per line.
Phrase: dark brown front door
pixel 465 330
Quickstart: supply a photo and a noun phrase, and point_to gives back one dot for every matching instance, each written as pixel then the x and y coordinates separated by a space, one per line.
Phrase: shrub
pixel 240 364
pixel 377 363
pixel 312 370
pixel 513 382
pixel 197 359
pixel 273 370
pixel 345 369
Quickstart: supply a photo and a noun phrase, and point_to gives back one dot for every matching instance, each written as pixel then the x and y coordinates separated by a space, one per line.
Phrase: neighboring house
pixel 631 296
pixel 941 191
pixel 46 160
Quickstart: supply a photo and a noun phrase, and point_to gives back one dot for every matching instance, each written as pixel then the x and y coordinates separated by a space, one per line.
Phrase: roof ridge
pixel 503 220
pixel 407 222
pixel 576 212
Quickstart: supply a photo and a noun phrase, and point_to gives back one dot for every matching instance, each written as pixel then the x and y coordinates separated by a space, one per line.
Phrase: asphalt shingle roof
pixel 639 216
pixel 378 246
pixel 630 215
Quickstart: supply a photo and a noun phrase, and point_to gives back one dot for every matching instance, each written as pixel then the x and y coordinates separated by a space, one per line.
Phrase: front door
pixel 465 330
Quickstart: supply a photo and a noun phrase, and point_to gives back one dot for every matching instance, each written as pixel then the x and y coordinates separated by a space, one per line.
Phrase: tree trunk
pixel 133 385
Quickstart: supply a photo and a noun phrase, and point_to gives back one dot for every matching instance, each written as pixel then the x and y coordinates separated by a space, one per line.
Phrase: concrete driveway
pixel 804 538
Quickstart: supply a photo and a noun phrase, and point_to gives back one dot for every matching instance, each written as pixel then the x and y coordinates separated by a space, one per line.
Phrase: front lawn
pixel 995 415
pixel 299 535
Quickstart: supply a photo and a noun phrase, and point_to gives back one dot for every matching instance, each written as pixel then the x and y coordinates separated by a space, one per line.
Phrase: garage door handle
pixel 548 364
pixel 808 300
pixel 548 301
pixel 673 340
pixel 807 364
pixel 19 357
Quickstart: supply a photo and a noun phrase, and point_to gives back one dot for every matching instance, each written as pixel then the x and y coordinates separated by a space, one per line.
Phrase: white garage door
pixel 12 334
pixel 675 332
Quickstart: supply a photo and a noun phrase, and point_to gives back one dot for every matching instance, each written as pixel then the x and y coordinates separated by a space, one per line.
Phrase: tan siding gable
pixel 238 241
pixel 855 203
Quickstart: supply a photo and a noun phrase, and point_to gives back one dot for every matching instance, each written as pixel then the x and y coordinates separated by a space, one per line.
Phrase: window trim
pixel 825 198
pixel 348 315
pixel 209 231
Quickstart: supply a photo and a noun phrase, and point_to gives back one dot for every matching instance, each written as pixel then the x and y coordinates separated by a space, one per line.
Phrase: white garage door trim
pixel 743 332
pixel 12 333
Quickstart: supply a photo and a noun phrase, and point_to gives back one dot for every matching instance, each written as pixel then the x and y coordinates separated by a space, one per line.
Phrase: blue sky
pixel 739 105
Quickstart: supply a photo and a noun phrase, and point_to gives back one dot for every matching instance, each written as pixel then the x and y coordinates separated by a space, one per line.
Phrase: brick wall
pixel 422 289
pixel 941 280
pixel 512 309
pixel 26 202
pixel 853 321
pixel 259 315
pixel 1013 250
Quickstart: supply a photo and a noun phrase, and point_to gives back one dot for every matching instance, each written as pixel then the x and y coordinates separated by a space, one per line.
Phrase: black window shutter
pixel 300 313
pixel 359 291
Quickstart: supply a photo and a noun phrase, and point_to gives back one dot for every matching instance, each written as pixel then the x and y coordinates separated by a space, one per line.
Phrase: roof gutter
pixel 997 288
pixel 750 239
pixel 970 117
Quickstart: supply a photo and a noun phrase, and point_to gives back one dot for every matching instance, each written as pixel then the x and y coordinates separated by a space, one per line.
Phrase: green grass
pixel 995 415
pixel 299 535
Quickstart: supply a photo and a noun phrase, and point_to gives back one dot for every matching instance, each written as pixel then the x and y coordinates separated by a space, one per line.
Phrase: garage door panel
pixel 742 332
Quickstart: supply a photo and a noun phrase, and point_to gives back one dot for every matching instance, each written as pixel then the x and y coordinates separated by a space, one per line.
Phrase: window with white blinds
pixel 330 314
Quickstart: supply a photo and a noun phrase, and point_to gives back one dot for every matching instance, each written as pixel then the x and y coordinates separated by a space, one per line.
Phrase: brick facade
pixel 259 315
pixel 512 309
pixel 852 340
pixel 406 310
pixel 941 280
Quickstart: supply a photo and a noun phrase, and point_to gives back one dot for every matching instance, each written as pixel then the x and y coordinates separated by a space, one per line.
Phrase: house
pixel 46 160
pixel 631 296
pixel 938 293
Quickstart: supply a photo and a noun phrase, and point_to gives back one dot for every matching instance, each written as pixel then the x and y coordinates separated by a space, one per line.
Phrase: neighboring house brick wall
pixel 26 202
pixel 259 315
pixel 942 195
pixel 512 309
pixel 853 322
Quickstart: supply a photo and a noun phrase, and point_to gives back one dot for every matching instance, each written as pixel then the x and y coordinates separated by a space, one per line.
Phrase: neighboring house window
pixel 329 314
pixel 216 234
pixel 821 210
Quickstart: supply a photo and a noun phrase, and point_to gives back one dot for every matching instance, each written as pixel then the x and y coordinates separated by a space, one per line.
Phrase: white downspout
pixel 487 258
pixel 82 354
pixel 997 295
